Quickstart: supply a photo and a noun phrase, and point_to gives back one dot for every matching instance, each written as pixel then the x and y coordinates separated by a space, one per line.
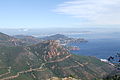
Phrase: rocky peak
pixel 50 49
pixel 55 49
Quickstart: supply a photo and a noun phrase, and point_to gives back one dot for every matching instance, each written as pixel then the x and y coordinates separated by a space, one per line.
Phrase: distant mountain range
pixel 56 37
pixel 64 39
pixel 45 32
pixel 44 60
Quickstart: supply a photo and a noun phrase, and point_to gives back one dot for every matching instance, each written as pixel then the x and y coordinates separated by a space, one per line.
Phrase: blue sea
pixel 102 43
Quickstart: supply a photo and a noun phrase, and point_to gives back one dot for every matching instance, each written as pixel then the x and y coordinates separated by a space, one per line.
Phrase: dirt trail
pixel 22 72
pixel 36 69
pixel 9 71
pixel 62 59
pixel 79 64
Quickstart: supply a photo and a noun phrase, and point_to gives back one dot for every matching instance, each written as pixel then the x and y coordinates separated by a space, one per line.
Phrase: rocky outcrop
pixel 69 78
pixel 54 49
pixel 50 50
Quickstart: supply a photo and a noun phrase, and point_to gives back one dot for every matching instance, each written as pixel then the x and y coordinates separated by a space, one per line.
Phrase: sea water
pixel 101 43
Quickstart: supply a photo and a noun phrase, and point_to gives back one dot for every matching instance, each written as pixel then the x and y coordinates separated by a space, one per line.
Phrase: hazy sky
pixel 58 13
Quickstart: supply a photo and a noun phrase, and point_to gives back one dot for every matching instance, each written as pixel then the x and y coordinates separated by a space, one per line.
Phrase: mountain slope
pixel 64 39
pixel 48 59
pixel 29 40
pixel 55 37
pixel 6 40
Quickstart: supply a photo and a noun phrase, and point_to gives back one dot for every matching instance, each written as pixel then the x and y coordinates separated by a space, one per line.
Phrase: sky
pixel 59 13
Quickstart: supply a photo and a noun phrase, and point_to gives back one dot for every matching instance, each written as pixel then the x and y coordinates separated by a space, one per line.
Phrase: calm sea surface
pixel 100 44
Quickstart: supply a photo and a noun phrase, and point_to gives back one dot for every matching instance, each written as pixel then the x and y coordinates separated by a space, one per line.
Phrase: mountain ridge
pixel 9 40
pixel 48 59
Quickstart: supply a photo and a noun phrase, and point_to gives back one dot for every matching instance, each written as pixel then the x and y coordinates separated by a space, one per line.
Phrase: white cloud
pixel 94 11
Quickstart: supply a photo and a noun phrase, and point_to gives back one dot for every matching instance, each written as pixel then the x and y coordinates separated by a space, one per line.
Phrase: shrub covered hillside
pixel 48 59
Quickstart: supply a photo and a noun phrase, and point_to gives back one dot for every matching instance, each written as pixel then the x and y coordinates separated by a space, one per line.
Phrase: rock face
pixel 48 59
pixel 50 49
pixel 56 78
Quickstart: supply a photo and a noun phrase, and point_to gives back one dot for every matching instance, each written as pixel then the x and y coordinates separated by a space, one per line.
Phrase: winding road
pixel 22 72
pixel 38 69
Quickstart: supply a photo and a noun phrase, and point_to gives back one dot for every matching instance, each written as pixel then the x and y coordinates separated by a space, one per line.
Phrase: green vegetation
pixel 115 77
pixel 48 59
